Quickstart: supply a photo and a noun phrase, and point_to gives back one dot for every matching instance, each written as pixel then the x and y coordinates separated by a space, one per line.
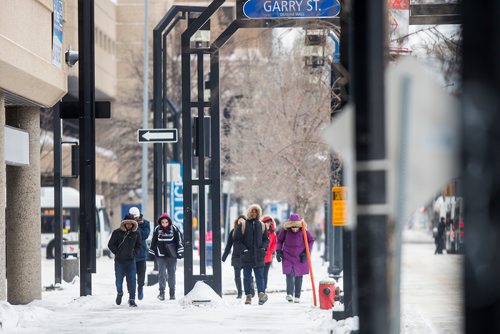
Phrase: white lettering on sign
pixel 290 6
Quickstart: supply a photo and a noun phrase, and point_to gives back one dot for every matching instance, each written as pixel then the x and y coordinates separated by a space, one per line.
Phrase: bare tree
pixel 273 143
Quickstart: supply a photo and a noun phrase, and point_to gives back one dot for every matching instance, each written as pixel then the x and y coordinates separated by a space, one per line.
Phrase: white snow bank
pixel 339 327
pixel 8 317
pixel 201 295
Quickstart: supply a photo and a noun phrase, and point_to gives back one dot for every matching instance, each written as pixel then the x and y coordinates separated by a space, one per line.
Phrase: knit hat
pixel 134 211
pixel 163 216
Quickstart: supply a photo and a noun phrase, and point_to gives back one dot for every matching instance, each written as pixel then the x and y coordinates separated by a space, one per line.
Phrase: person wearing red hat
pixel 167 247
pixel 268 259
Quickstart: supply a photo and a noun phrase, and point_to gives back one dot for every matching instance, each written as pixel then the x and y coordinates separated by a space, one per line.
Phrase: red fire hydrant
pixel 326 294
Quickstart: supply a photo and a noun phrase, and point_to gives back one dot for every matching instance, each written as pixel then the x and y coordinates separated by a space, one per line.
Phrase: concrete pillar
pixel 3 277
pixel 22 214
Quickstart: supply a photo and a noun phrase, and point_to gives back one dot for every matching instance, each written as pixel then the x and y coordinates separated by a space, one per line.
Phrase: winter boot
pixel 132 303
pixel 171 293
pixel 289 298
pixel 248 300
pixel 119 298
pixel 262 298
pixel 140 292
pixel 238 287
pixel 161 296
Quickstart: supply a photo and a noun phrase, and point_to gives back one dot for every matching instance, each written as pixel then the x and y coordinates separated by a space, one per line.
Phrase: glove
pixel 279 255
pixel 303 257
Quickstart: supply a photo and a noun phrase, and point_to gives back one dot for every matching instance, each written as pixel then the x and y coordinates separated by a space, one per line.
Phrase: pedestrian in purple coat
pixel 291 251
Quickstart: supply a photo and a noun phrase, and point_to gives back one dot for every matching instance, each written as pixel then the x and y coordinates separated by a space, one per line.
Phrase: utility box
pixel 70 268
pixel 70 263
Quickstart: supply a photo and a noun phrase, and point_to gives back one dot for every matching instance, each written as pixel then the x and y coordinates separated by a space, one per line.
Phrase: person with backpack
pixel 125 243
pixel 140 259
pixel 251 238
pixel 291 251
pixel 268 259
pixel 167 247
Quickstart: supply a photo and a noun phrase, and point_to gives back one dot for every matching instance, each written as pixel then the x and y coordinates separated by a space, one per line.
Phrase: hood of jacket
pixel 256 207
pixel 265 218
pixel 293 223
pixel 164 215
pixel 134 228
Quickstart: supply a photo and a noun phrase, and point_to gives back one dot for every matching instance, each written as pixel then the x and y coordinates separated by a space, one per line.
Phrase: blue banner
pixel 176 194
pixel 57 33
pixel 283 9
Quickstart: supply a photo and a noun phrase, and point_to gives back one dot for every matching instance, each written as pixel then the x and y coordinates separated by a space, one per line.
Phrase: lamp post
pixel 315 40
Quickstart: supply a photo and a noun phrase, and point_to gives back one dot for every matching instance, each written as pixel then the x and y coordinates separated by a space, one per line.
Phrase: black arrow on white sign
pixel 157 135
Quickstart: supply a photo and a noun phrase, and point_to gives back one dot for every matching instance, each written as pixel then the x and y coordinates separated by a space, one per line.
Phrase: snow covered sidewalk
pixel 64 311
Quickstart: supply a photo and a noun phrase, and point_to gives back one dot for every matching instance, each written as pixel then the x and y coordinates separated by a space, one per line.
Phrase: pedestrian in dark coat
pixel 167 247
pixel 235 255
pixel 291 250
pixel 268 259
pixel 125 243
pixel 140 259
pixel 252 240
pixel 440 237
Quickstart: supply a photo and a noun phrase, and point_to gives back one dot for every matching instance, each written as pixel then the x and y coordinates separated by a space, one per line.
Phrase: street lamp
pixel 315 40
pixel 201 38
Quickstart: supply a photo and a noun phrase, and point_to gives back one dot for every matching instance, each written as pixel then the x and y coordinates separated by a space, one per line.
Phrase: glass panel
pixel 208 229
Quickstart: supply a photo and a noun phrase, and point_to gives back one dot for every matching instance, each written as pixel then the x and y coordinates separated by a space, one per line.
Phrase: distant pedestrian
pixel 167 247
pixel 439 238
pixel 252 240
pixel 140 259
pixel 291 251
pixel 268 259
pixel 235 255
pixel 125 243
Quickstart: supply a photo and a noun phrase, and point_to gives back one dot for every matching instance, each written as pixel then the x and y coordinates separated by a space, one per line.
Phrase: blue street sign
pixel 293 9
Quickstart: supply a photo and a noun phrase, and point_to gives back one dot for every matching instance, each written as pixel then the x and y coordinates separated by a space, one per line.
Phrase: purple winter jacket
pixel 292 244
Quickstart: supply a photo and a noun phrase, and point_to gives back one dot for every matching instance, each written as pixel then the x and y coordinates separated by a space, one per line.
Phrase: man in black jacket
pixel 125 243
pixel 252 240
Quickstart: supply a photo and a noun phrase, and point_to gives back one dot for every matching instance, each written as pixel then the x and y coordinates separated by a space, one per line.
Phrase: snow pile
pixel 8 317
pixel 201 294
pixel 32 315
pixel 338 306
pixel 339 327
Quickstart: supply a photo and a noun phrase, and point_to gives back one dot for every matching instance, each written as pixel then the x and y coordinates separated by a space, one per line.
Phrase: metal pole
pixel 372 256
pixel 145 101
pixel 86 75
pixel 326 228
pixel 57 194
pixel 481 164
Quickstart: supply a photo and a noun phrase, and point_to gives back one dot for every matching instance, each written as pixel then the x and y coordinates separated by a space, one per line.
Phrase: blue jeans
pixel 125 268
pixel 259 279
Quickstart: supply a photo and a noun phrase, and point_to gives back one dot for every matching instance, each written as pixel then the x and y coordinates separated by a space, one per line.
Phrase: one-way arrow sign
pixel 157 136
